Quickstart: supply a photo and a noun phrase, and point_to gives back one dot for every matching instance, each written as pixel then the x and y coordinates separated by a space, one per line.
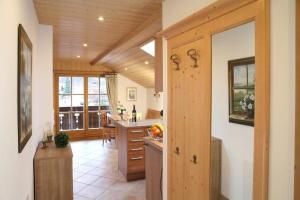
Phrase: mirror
pixel 233 106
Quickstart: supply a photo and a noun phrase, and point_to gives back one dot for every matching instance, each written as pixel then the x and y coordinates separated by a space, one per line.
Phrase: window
pixel 71 103
pixel 97 100
pixel 242 91
pixel 73 91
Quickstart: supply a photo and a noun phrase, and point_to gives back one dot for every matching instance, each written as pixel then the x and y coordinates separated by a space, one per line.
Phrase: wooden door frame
pixel 218 17
pixel 297 111
pixel 86 133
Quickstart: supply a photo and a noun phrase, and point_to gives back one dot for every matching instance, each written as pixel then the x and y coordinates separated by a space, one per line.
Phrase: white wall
pixel 16 170
pixel 140 103
pixel 282 89
pixel 154 102
pixel 237 140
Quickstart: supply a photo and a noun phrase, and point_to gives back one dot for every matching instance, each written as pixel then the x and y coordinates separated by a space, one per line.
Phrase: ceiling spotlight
pixel 78 56
pixel 146 63
pixel 126 68
pixel 101 18
pixel 85 45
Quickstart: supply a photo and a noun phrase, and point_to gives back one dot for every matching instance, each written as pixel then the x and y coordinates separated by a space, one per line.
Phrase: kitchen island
pixel 131 147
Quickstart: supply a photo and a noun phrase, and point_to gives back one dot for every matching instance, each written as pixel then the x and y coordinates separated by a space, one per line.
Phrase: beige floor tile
pixel 91 192
pixel 96 174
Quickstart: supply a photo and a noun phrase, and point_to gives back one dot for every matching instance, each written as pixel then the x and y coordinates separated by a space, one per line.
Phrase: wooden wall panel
pixel 217 17
pixel 297 120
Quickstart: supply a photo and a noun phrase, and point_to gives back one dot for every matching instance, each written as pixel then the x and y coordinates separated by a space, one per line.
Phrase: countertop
pixel 154 143
pixel 139 123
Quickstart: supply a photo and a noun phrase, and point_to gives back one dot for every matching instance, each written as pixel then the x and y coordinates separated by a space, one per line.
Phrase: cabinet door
pixel 189 123
pixel 153 174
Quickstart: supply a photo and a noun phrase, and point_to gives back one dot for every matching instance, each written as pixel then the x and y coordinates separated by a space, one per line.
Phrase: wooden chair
pixel 153 114
pixel 109 130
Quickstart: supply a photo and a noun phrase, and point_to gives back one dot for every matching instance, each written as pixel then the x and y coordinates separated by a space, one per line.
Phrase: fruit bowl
pixel 156 131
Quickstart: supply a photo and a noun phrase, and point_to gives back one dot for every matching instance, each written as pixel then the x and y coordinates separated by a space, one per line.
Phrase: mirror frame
pixel 218 17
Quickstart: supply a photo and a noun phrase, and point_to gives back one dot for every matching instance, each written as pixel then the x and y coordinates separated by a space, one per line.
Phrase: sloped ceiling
pixel 75 22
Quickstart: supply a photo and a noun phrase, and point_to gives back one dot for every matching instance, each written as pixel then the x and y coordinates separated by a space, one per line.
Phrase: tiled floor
pixel 96 175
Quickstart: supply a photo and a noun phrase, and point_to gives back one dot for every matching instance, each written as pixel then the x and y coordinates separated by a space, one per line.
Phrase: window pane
pixel 103 89
pixel 77 121
pixel 64 85
pixel 64 101
pixel 240 76
pixel 94 120
pixel 64 121
pixel 251 75
pixel 93 85
pixel 77 85
pixel 77 102
pixel 238 100
pixel 104 100
pixel 93 102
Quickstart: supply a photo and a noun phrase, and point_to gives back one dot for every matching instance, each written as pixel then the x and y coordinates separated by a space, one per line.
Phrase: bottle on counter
pixel 133 114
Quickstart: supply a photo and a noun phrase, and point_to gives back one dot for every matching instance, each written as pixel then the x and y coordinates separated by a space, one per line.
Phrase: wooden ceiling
pixel 113 43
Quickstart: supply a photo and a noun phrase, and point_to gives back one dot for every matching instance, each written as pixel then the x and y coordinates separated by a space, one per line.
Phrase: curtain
pixel 111 85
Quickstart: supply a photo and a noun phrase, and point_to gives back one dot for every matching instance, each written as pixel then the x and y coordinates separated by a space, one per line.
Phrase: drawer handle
pixel 138 149
pixel 136 140
pixel 137 131
pixel 136 158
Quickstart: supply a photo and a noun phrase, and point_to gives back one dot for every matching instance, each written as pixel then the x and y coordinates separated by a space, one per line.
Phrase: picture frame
pixel 241 79
pixel 131 93
pixel 24 88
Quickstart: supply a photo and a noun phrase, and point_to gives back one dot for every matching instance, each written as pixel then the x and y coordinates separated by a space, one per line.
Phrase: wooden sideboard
pixel 53 176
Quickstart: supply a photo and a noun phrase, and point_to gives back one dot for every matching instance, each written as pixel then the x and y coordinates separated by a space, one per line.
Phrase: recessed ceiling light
pixel 146 63
pixel 149 48
pixel 85 45
pixel 78 56
pixel 126 68
pixel 101 18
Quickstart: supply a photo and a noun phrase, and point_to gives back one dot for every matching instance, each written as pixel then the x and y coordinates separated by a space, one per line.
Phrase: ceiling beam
pixel 141 34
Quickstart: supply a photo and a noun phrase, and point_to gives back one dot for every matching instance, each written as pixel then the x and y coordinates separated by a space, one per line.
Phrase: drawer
pixel 136 164
pixel 135 142
pixel 136 133
pixel 136 151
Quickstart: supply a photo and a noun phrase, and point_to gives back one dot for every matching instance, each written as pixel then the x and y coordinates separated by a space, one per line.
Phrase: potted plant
pixel 61 140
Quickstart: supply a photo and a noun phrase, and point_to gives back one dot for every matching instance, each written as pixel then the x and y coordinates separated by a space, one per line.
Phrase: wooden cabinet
pixel 158 64
pixel 154 172
pixel 53 176
pixel 131 152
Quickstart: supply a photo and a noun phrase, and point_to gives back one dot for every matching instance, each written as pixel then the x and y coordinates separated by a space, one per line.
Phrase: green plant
pixel 61 140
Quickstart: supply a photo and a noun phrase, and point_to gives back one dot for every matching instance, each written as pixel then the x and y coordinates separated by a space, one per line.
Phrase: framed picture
pixel 131 94
pixel 242 90
pixel 24 88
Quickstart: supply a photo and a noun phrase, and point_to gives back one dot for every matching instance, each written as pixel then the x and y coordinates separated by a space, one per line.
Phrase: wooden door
pixel 189 122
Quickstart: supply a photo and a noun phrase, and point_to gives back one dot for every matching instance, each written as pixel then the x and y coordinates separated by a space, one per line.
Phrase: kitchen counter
pixel 154 143
pixel 154 168
pixel 131 152
pixel 139 123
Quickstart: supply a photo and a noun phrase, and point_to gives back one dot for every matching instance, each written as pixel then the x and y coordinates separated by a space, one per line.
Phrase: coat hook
pixel 175 59
pixel 176 151
pixel 194 160
pixel 194 56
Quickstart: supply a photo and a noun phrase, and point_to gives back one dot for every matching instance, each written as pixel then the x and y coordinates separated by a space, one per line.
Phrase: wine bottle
pixel 133 114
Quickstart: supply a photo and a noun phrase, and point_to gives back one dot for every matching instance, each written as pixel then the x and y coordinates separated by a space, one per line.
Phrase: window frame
pixel 86 132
